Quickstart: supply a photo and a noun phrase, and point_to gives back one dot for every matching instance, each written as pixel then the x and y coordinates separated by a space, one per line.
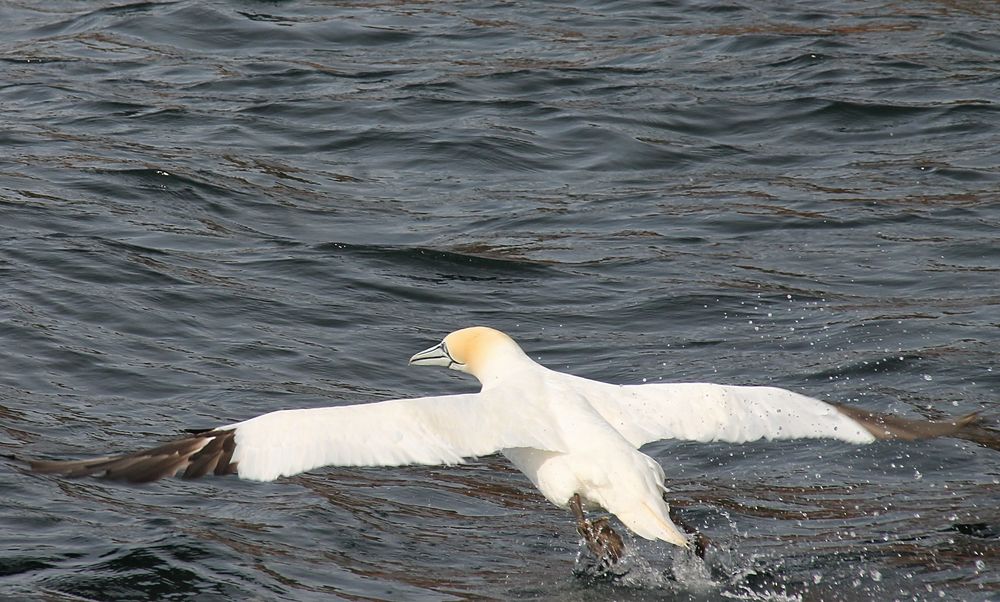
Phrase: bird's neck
pixel 503 367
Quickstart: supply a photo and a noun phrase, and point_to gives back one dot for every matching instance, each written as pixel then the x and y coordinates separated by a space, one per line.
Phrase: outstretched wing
pixel 197 455
pixel 426 430
pixel 710 412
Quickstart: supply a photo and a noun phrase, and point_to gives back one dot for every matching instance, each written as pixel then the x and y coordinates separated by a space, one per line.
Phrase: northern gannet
pixel 576 439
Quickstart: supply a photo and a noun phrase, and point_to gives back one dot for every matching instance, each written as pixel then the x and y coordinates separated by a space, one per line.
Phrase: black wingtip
pixel 888 426
pixel 193 456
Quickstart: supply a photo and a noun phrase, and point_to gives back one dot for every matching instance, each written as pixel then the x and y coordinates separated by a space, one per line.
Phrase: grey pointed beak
pixel 435 356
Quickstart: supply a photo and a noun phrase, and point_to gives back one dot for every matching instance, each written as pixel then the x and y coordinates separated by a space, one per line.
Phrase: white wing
pixel 709 412
pixel 426 430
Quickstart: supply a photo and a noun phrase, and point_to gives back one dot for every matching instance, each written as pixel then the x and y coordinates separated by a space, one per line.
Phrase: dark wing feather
pixel 197 455
pixel 888 426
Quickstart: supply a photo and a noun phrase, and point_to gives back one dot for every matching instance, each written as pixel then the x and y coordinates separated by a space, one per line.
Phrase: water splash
pixel 658 567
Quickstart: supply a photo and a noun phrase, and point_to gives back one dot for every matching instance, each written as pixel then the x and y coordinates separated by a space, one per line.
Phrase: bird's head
pixel 479 351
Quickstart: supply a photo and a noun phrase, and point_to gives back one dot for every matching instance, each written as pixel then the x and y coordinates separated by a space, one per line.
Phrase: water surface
pixel 211 210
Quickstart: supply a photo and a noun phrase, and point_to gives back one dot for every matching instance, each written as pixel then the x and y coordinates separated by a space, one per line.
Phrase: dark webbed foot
pixel 601 539
pixel 700 541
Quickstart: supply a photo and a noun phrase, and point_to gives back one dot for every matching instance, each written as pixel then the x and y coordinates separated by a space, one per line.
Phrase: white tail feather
pixel 652 523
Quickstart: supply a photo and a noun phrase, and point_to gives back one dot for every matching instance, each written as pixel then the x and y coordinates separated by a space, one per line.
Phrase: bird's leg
pixel 701 542
pixel 602 541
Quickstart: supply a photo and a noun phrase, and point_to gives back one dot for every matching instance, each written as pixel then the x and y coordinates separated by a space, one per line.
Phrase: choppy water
pixel 210 210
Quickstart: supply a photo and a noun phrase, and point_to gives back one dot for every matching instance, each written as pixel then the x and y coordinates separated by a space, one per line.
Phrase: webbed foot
pixel 700 541
pixel 601 539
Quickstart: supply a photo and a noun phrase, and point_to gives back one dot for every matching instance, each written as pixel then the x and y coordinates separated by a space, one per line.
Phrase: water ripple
pixel 214 210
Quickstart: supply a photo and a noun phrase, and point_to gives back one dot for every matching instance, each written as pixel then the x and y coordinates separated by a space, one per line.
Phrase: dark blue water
pixel 211 210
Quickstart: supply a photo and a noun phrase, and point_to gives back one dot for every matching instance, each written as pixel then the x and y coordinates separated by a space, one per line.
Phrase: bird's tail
pixel 652 521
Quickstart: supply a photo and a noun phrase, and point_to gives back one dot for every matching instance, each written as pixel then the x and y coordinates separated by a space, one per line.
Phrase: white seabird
pixel 576 439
